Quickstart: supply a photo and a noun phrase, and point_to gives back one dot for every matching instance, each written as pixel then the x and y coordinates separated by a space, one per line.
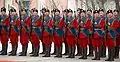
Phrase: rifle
pixel 66 29
pixel 79 26
pixel 54 22
pixel 93 25
pixel 10 24
pixel 64 32
pixel 106 29
pixel 20 17
pixel 42 25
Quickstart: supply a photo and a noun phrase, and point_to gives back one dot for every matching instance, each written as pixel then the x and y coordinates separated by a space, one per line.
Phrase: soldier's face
pixel 31 12
pixel 23 13
pixel 35 13
pixel 57 13
pixel 101 13
pixel 3 12
pixel 78 13
pixel 64 13
pixel 10 13
pixel 96 14
pixel 13 13
pixel 82 14
pixel 47 13
pixel 70 14
pixel 109 15
pixel 115 13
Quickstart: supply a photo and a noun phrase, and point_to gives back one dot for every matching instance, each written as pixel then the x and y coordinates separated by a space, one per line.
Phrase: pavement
pixel 42 59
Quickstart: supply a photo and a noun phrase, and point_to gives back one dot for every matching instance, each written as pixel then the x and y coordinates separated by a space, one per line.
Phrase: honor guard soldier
pixel 52 16
pixel 58 32
pixel 42 18
pixel 35 32
pixel 112 25
pixel 14 31
pixel 116 17
pixel 31 14
pixel 4 24
pixel 47 33
pixel 83 33
pixel 90 17
pixel 24 31
pixel 65 12
pixel 72 27
pixel 79 49
pixel 98 24
pixel 103 47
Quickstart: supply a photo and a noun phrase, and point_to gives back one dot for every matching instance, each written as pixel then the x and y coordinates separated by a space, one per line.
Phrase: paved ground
pixel 41 59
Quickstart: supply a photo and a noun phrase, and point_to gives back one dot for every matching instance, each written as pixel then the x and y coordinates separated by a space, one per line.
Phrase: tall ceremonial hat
pixel 89 10
pixel 32 9
pixel 116 10
pixel 96 11
pixel 66 10
pixel 53 10
pixel 23 9
pixel 47 10
pixel 82 11
pixel 70 11
pixel 35 10
pixel 79 10
pixel 3 9
pixel 109 11
pixel 101 10
pixel 43 10
pixel 12 10
pixel 57 10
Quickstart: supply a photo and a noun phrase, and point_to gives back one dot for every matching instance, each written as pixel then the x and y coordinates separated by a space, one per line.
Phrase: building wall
pixel 1 3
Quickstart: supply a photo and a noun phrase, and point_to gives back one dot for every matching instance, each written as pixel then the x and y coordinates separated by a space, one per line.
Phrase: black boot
pixel 85 56
pixel 4 52
pixel 84 53
pixel 116 52
pixel 60 52
pixel 36 52
pixel 33 48
pixel 24 51
pixel 70 52
pixel 43 45
pixel 110 54
pixel 47 54
pixel 14 51
pixel 103 51
pixel 97 55
pixel 90 51
pixel 57 51
pixel 73 52
pixel 79 50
